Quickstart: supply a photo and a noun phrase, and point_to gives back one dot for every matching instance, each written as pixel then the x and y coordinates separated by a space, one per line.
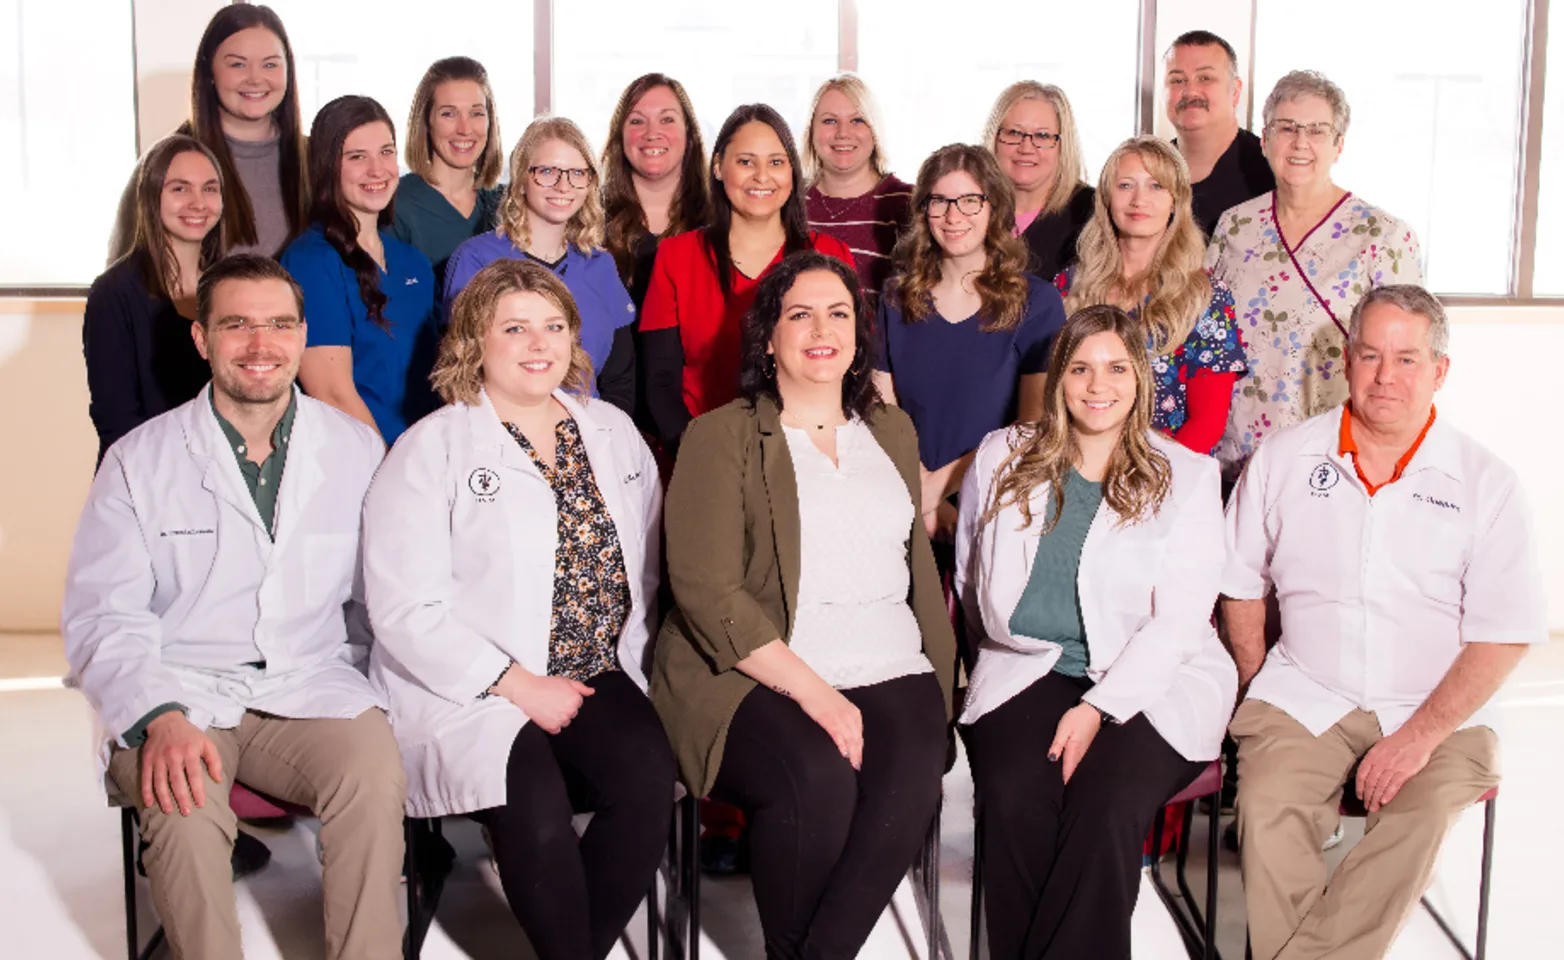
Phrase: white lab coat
pixel 174 585
pixel 460 530
pixel 1147 591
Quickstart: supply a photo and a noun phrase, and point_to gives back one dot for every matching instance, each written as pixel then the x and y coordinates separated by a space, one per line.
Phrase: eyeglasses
pixel 246 325
pixel 1042 139
pixel 970 204
pixel 578 177
pixel 1314 132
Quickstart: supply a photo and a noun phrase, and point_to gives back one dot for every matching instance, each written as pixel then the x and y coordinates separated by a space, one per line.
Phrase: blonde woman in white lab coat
pixel 1089 551
pixel 511 564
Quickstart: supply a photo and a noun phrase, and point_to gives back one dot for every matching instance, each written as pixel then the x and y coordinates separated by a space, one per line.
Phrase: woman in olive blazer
pixel 805 674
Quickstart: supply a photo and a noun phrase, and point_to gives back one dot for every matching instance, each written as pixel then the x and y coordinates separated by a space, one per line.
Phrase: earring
pixel 771 366
pixel 862 362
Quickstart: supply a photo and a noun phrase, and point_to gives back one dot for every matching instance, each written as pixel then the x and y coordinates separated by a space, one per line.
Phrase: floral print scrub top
pixel 591 594
pixel 1213 346
pixel 1294 301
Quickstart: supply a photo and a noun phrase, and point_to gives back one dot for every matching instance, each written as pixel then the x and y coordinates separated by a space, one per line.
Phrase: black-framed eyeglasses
pixel 1042 139
pixel 970 204
pixel 1315 132
pixel 578 177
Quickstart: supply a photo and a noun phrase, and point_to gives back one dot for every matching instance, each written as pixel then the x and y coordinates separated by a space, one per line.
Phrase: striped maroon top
pixel 868 224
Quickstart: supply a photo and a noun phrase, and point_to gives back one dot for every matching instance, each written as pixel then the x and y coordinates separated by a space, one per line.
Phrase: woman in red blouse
pixel 703 281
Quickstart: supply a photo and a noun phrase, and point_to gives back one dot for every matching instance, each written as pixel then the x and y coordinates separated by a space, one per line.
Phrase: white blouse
pixel 853 627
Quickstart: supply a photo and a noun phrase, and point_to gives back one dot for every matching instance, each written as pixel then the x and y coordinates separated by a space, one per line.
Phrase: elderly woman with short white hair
pixel 1297 260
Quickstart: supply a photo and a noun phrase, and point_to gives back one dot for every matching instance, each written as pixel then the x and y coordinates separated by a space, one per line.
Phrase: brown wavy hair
pixel 625 220
pixel 1001 285
pixel 419 150
pixel 206 125
pixel 585 229
pixel 1139 475
pixel 1175 281
pixel 458 371
pixel 151 249
pixel 329 131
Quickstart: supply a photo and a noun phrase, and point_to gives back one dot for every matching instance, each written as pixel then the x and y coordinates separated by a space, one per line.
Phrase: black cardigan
pixel 141 358
pixel 1051 237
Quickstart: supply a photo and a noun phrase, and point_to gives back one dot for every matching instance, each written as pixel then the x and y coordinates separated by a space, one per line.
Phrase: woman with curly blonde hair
pixel 963 329
pixel 552 214
pixel 1142 252
pixel 1088 558
pixel 510 571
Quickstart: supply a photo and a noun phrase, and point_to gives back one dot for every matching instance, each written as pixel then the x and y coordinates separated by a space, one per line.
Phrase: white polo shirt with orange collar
pixel 1379 590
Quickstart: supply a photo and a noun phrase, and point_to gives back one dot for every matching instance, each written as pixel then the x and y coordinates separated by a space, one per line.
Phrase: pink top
pixel 1024 220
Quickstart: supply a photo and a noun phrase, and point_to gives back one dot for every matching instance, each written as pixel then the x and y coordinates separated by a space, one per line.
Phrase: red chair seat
pixel 249 805
pixel 1209 782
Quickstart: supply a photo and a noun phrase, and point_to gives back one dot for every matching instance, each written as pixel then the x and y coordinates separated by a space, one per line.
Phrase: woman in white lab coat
pixel 1089 551
pixel 510 545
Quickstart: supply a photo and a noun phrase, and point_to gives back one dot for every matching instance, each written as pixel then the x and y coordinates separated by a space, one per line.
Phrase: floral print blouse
pixel 591 593
pixel 1213 346
pixel 1294 302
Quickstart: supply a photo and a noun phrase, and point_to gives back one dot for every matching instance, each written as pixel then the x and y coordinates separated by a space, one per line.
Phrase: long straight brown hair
pixel 626 221
pixel 337 221
pixel 151 248
pixel 206 125
pixel 1139 475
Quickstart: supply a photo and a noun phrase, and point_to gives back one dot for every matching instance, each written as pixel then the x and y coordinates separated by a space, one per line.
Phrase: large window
pixel 1436 108
pixel 936 78
pixel 65 137
pixel 1549 266
pixel 724 54
pixel 382 51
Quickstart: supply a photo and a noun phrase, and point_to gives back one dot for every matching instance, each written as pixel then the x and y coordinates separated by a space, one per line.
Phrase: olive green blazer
pixel 732 534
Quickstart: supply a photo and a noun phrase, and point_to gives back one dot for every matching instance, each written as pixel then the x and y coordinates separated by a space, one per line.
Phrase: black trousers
pixel 829 844
pixel 1061 864
pixel 574 897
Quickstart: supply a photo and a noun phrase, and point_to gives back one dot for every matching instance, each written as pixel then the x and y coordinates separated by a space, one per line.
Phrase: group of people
pixel 996 391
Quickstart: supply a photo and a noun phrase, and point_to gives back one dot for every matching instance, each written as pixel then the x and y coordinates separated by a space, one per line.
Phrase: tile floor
pixel 61 887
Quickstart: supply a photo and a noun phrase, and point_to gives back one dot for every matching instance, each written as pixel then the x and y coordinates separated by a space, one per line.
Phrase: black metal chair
pixel 1197 928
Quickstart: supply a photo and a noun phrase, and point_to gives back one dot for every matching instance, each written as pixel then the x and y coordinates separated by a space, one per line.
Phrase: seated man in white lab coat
pixel 1400 554
pixel 204 619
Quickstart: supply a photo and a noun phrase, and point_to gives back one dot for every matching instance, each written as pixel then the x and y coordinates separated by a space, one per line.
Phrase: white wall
pixel 167 33
pixel 1229 19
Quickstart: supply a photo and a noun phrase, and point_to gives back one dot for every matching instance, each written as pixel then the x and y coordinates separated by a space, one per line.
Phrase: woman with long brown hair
pixel 141 359
pixel 1143 252
pixel 454 157
pixel 368 297
pixel 654 176
pixel 964 329
pixel 1088 558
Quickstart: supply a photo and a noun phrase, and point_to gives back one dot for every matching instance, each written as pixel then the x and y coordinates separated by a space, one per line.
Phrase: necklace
pixel 799 421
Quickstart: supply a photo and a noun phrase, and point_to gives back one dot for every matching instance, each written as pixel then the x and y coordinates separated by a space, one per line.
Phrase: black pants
pixel 829 844
pixel 574 897
pixel 1061 864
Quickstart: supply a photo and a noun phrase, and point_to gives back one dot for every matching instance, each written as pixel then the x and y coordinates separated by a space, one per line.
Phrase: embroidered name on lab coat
pixel 187 532
pixel 1436 502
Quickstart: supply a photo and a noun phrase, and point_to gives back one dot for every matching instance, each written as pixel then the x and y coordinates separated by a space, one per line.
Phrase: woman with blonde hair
pixel 1142 252
pixel 963 329
pixel 1031 131
pixel 1088 559
pixel 453 152
pixel 510 571
pixel 552 215
pixel 852 194
pixel 654 176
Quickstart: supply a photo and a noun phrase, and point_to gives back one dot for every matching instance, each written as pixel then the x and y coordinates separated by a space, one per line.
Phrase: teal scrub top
pixel 425 219
pixel 1050 606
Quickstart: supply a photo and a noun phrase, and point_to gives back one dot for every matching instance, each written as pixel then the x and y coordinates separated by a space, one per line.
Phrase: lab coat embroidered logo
pixel 484 483
pixel 1323 477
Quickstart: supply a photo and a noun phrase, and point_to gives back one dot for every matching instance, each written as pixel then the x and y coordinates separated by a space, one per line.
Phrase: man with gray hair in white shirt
pixel 1400 555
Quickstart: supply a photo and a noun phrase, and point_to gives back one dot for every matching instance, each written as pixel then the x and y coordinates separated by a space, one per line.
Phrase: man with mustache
pixel 213 618
pixel 1226 165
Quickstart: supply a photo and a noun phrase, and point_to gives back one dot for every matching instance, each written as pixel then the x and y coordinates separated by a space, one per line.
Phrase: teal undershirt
pixel 1050 606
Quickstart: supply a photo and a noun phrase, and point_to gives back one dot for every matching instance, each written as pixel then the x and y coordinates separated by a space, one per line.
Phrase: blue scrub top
pixel 957 381
pixel 592 279
pixel 390 367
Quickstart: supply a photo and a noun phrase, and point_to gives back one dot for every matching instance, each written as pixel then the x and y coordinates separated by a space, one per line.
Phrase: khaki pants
pixel 1289 796
pixel 348 771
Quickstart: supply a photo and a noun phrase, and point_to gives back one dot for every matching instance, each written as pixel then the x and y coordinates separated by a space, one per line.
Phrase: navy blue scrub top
pixel 957 381
pixel 390 367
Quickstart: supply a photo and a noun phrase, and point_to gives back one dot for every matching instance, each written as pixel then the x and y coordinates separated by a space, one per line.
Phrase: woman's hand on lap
pixel 1077 729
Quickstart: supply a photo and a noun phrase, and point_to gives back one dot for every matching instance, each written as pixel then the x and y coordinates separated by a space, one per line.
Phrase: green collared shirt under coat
pixel 734 543
pixel 262 479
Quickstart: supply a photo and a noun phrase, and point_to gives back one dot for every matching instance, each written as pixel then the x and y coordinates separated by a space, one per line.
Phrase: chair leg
pixel 692 833
pixel 1181 872
pixel 932 923
pixel 652 932
pixel 410 944
pixel 1485 887
pixel 1214 830
pixel 977 883
pixel 127 830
